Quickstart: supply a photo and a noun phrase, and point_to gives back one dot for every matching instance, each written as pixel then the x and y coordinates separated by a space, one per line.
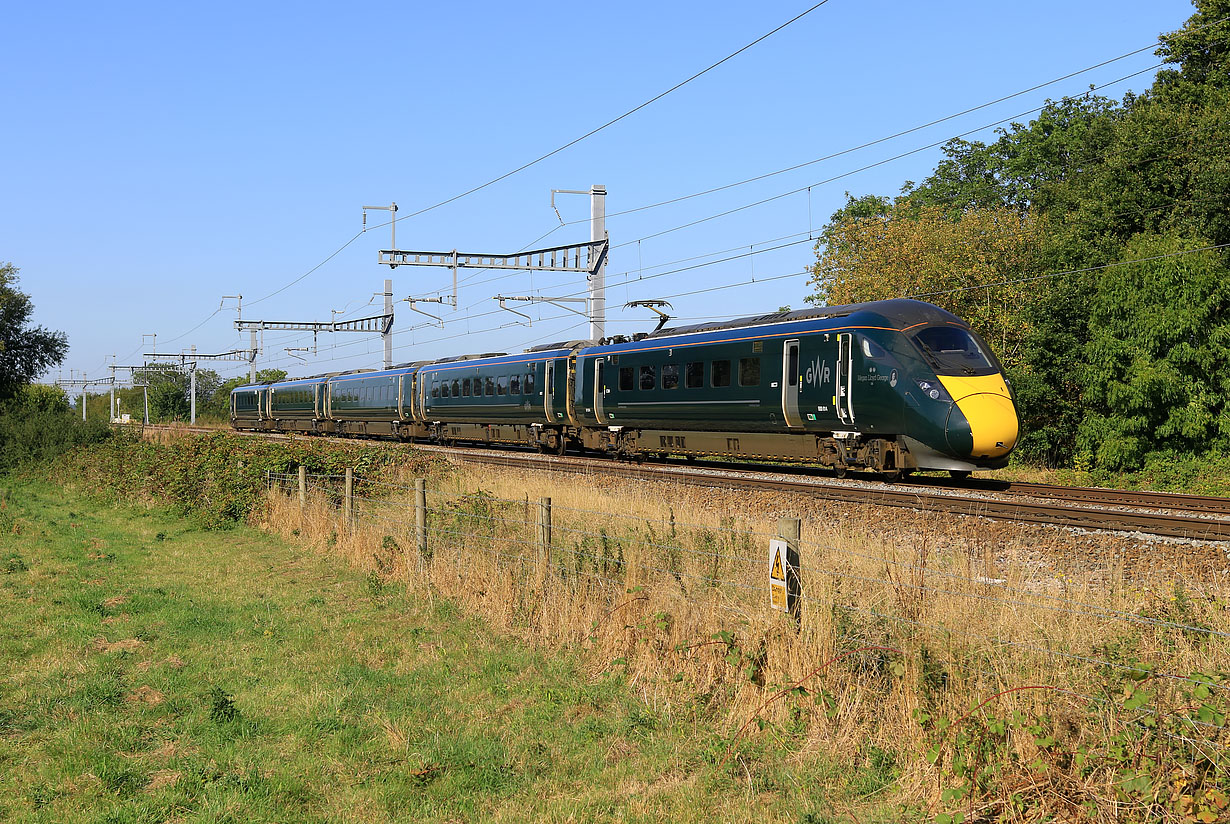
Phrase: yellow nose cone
pixel 987 406
pixel 992 423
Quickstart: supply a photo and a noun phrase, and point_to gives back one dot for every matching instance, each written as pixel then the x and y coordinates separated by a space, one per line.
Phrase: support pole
pixel 302 490
pixel 252 358
pixel 113 391
pixel 388 333
pixel 420 521
pixel 790 530
pixel 192 389
pixel 597 281
pixel 83 376
pixel 146 393
pixel 348 501
pixel 544 536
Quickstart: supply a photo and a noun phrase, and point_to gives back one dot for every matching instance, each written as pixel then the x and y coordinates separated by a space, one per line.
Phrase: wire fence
pixel 703 588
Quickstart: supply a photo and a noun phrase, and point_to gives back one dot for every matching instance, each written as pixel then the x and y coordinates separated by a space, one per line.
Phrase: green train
pixel 892 386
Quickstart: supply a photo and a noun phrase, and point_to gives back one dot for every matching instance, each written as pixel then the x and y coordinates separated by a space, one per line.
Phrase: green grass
pixel 158 672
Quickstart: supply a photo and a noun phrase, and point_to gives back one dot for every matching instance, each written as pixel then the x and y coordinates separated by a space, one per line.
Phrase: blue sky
pixel 156 157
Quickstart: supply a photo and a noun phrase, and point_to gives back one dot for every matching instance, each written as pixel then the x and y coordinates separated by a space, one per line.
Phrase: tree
pixel 168 395
pixel 26 351
pixel 1158 358
pixel 908 250
pixel 1201 49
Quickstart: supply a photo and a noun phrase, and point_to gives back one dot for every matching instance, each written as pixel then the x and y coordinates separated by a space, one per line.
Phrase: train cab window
pixel 501 385
pixel 435 389
pixel 626 380
pixel 490 386
pixel 670 376
pixel 649 377
pixel 749 371
pixel 528 384
pixel 695 375
pixel 953 351
pixel 720 374
pixel 465 388
pixel 514 385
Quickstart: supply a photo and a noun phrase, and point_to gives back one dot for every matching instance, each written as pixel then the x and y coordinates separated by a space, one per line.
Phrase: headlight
pixel 934 391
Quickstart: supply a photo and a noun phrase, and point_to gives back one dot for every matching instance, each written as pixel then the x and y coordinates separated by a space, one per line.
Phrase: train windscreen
pixel 954 351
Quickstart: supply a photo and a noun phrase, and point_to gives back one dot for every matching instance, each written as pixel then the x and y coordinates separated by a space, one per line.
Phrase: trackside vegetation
pixel 1089 247
pixel 952 684
pixel 156 671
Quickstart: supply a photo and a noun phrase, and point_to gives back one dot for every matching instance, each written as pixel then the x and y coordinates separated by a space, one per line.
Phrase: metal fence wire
pixel 992 632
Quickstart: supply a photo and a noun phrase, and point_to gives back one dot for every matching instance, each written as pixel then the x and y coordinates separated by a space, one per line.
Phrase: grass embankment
pixel 1193 475
pixel 989 683
pixel 158 672
pixel 951 665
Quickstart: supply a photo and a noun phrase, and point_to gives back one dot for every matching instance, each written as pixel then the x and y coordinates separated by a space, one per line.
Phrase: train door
pixel 791 385
pixel 845 377
pixel 548 389
pixel 572 390
pixel 600 391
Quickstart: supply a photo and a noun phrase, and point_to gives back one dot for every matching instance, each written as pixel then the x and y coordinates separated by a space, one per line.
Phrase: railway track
pixel 1191 517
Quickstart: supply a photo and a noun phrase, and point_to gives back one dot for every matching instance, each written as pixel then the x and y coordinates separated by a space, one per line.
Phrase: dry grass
pixel 906 617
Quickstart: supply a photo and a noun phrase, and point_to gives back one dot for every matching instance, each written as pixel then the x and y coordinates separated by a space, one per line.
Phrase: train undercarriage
pixel 840 451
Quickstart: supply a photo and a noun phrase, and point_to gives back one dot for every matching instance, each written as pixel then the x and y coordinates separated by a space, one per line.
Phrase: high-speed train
pixel 892 386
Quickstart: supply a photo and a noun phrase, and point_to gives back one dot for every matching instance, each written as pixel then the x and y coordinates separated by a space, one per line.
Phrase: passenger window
pixel 435 389
pixel 695 377
pixel 670 376
pixel 529 383
pixel 501 385
pixel 465 388
pixel 456 388
pixel 720 375
pixel 490 386
pixel 514 385
pixel 749 371
pixel 872 349
pixel 649 377
pixel 626 381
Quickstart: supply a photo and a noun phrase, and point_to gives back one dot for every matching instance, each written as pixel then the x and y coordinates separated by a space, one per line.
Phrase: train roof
pixel 563 344
pixel 904 311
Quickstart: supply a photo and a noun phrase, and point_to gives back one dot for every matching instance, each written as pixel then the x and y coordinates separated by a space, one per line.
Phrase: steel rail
pixel 1021 510
pixel 1191 517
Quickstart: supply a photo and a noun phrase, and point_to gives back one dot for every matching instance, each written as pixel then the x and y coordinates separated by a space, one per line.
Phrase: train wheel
pixel 959 474
pixel 840 471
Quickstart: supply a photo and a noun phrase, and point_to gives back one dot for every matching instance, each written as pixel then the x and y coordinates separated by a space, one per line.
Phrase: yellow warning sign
pixel 778 572
pixel 779 594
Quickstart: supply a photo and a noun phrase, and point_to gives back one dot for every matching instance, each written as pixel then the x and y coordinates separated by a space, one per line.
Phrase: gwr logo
pixel 819 373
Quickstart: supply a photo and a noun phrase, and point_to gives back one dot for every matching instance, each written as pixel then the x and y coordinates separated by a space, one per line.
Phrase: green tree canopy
pixel 26 351
pixel 1157 363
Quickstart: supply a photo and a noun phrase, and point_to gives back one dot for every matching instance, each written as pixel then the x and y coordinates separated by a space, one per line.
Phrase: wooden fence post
pixel 420 520
pixel 348 502
pixel 302 489
pixel 544 536
pixel 790 530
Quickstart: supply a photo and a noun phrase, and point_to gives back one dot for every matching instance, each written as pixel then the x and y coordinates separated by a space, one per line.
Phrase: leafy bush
pixel 37 425
pixel 218 478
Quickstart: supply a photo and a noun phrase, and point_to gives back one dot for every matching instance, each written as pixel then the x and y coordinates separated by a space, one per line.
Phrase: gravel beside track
pixel 1183 517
